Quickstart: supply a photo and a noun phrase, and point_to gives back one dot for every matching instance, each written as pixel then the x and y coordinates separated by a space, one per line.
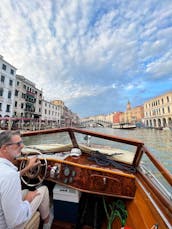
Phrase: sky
pixel 95 55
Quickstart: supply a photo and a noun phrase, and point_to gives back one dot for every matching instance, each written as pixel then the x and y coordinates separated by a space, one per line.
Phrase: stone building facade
pixel 7 88
pixel 158 111
pixel 132 115
pixel 28 99
pixel 51 113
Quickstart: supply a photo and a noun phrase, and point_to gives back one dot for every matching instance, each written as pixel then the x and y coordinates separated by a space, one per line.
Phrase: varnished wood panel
pixel 141 213
pixel 99 182
pixel 87 176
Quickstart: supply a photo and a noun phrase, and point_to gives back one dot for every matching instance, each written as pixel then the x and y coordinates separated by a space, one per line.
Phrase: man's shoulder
pixel 8 176
pixel 7 169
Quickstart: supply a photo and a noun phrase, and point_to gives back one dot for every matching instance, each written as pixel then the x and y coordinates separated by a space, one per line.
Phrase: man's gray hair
pixel 5 136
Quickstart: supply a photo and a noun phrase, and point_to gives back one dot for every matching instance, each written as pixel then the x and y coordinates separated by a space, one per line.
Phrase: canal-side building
pixel 51 114
pixel 70 118
pixel 7 88
pixel 60 104
pixel 116 117
pixel 132 114
pixel 56 114
pixel 28 99
pixel 75 120
pixel 158 111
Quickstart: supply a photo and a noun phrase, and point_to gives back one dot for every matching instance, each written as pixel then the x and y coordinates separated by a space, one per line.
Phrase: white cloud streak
pixel 76 49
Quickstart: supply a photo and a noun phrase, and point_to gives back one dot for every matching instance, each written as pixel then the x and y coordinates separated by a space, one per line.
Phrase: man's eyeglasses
pixel 15 143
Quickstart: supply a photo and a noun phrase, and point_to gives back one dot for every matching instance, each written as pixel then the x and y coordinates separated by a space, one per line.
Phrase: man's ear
pixel 3 148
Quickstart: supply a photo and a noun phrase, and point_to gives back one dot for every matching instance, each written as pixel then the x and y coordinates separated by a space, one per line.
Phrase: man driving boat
pixel 16 206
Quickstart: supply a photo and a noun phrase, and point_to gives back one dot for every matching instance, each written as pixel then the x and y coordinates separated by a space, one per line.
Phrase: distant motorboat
pixel 125 126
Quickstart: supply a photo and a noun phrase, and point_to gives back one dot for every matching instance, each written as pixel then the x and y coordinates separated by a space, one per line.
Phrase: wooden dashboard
pixel 84 175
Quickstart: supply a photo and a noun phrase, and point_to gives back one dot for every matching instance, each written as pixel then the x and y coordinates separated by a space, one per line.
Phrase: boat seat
pixel 33 223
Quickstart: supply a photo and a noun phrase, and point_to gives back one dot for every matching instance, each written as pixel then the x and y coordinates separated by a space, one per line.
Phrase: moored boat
pixel 124 126
pixel 120 183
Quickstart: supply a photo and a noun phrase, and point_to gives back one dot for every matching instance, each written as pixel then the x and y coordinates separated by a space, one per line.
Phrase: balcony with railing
pixel 30 93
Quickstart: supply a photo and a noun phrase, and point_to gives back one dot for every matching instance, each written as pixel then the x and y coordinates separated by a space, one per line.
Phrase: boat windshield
pixel 114 150
pixel 117 151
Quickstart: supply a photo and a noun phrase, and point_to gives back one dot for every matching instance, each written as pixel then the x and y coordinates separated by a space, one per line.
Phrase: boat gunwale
pixel 163 202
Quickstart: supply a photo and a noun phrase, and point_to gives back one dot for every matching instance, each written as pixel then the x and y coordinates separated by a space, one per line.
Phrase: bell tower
pixel 128 106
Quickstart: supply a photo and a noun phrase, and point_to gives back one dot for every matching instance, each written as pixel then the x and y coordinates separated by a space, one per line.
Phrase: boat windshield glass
pixel 117 151
pixel 51 138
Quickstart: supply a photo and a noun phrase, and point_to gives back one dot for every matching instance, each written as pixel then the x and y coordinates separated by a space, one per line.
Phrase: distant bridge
pixel 95 123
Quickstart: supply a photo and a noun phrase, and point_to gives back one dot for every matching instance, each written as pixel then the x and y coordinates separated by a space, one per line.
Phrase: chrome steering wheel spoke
pixel 36 175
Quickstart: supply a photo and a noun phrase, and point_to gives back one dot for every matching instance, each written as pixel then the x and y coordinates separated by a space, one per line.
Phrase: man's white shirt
pixel 13 210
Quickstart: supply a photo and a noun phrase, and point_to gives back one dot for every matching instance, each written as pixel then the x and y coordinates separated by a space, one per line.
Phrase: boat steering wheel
pixel 37 174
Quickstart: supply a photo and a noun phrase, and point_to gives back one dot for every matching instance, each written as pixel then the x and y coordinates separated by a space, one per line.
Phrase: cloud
pixel 77 50
pixel 161 67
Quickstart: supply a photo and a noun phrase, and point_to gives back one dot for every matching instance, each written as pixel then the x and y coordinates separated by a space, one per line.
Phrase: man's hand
pixel 32 162
pixel 31 195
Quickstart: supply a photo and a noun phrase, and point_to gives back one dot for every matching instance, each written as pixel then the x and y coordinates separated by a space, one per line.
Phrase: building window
pixel 10 82
pixel 4 67
pixel 15 104
pixel 0 106
pixel 18 83
pixel 9 95
pixel 16 93
pixel 2 79
pixel 22 105
pixel 8 108
pixel 1 91
pixel 12 71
